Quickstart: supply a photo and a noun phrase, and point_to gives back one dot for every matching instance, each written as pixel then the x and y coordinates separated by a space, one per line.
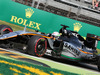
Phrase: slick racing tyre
pixel 4 29
pixel 37 46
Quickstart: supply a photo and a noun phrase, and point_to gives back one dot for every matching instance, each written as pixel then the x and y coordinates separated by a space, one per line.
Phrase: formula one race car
pixel 65 44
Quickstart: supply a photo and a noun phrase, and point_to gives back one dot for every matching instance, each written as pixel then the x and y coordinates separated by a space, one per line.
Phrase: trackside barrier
pixel 43 21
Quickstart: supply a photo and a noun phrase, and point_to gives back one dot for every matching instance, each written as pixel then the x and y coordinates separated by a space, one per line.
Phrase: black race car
pixel 65 44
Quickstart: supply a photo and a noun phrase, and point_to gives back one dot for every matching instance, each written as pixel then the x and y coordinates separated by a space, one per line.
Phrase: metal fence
pixel 80 10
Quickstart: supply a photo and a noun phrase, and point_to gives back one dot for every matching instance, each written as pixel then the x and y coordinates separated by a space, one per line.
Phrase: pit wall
pixel 43 21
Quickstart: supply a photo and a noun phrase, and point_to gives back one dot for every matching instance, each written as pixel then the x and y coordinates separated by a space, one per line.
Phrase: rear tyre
pixel 37 46
pixel 4 29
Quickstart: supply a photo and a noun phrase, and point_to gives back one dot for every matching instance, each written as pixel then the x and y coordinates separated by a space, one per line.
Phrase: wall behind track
pixel 43 21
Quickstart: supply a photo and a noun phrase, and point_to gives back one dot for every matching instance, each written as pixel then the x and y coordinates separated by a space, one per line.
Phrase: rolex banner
pixel 43 21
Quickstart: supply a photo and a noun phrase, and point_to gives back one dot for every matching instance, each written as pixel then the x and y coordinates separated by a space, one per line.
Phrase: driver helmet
pixel 56 34
pixel 65 31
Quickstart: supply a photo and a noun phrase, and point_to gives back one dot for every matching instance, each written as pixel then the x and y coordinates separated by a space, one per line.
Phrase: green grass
pixel 13 67
pixel 15 27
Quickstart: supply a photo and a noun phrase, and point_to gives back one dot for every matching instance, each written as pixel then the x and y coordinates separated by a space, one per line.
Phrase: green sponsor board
pixel 22 15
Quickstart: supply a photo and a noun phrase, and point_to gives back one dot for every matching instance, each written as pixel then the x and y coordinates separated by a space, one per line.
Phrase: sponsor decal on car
pixel 71 49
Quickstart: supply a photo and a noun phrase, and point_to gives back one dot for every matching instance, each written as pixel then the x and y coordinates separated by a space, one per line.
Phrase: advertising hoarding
pixel 43 21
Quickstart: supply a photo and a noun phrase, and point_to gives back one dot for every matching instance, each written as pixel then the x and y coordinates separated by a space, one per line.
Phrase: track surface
pixel 60 63
pixel 73 63
pixel 20 57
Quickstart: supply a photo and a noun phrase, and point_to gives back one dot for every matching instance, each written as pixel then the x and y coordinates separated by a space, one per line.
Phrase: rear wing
pixel 93 36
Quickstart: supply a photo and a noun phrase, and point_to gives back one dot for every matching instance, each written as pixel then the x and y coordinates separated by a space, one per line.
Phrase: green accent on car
pixel 42 39
pixel 71 57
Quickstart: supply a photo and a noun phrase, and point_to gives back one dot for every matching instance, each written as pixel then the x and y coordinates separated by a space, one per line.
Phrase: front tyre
pixel 4 29
pixel 37 46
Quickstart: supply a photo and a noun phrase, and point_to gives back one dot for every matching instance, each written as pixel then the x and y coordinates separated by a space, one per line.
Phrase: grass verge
pixel 15 27
pixel 13 67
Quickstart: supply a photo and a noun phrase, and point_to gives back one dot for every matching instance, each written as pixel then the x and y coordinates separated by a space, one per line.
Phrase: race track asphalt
pixel 20 57
pixel 65 65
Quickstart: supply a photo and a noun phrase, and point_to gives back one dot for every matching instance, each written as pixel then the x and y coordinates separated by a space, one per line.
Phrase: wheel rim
pixel 40 47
